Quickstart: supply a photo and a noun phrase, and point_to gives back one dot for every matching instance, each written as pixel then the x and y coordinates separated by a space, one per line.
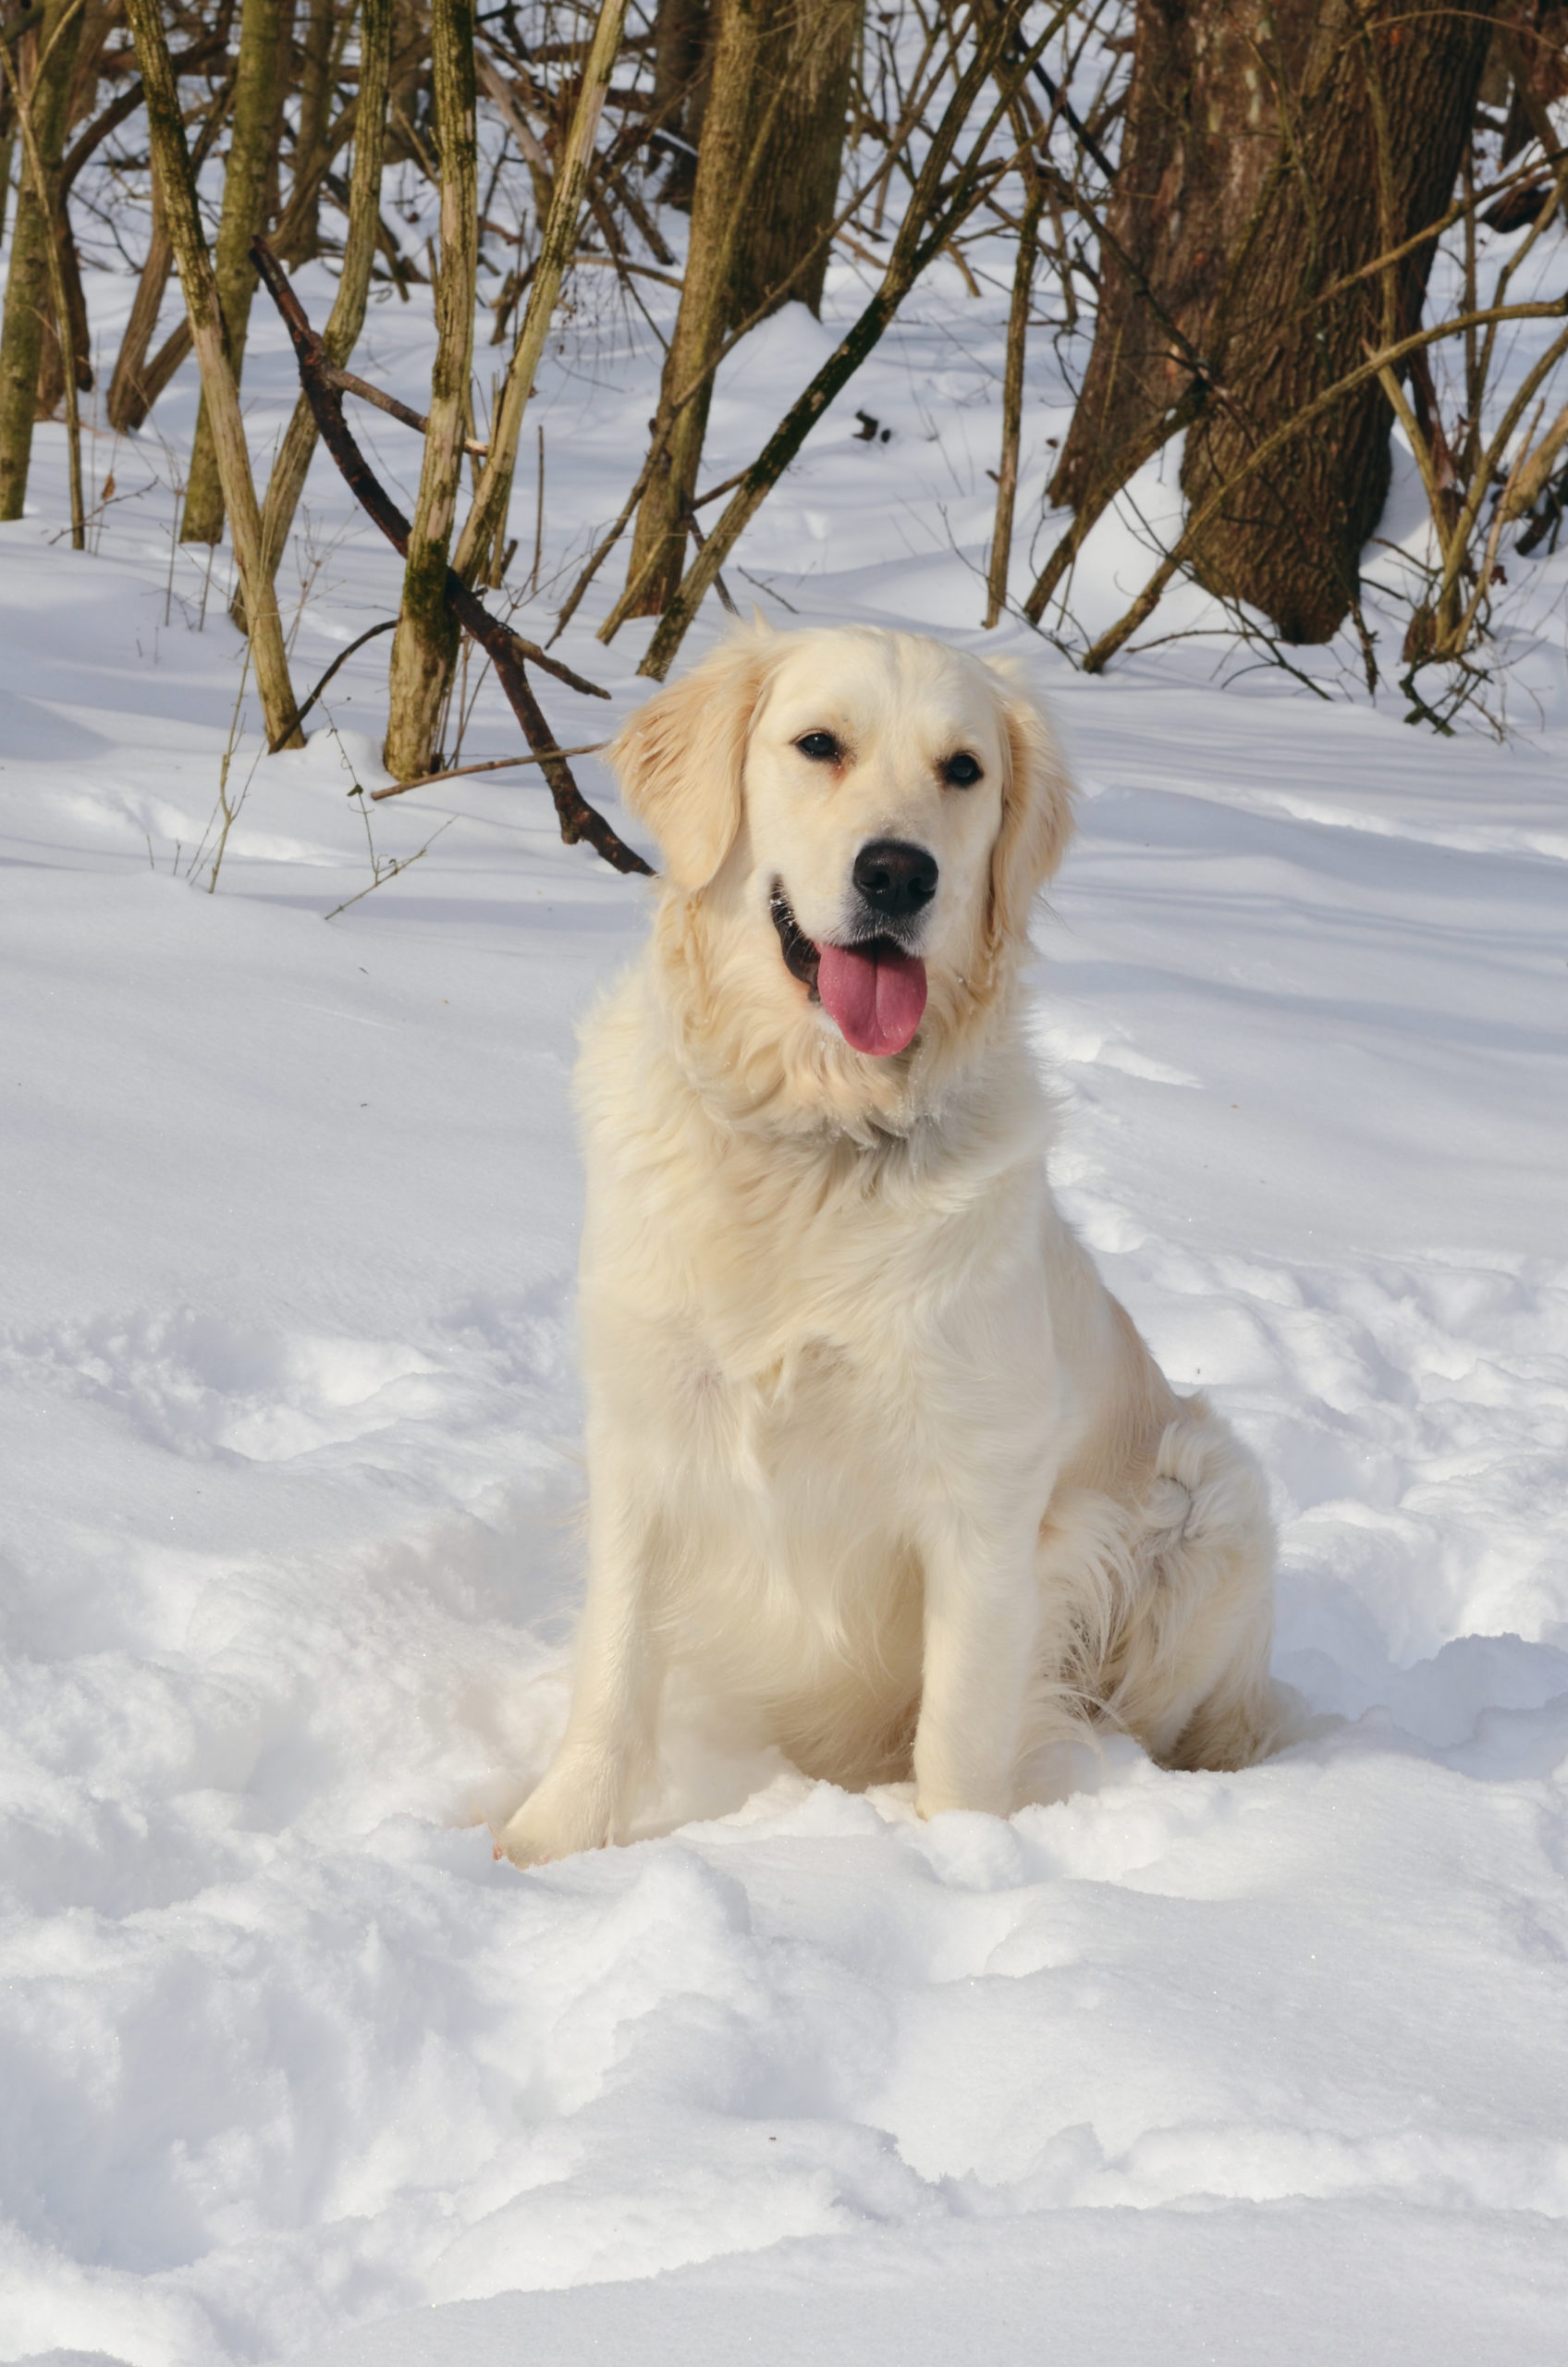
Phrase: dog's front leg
pixel 981 1640
pixel 608 1741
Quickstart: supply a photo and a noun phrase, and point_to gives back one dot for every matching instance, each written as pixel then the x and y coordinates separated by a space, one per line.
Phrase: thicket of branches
pixel 1273 227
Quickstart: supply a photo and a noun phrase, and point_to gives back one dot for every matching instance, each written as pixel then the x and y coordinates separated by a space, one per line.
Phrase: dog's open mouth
pixel 874 992
pixel 801 956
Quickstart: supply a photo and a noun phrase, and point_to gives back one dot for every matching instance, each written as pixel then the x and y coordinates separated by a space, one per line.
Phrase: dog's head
pixel 854 825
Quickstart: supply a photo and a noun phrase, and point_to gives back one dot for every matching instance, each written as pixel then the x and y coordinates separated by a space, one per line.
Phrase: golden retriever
pixel 878 1469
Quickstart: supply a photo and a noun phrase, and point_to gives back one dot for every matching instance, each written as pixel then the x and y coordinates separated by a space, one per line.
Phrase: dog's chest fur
pixel 774 1260
pixel 813 1347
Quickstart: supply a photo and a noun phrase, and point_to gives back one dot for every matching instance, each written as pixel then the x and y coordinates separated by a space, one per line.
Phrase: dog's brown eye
pixel 962 771
pixel 820 746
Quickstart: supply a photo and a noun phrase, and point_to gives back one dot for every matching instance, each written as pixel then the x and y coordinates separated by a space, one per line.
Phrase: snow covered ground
pixel 1255 2068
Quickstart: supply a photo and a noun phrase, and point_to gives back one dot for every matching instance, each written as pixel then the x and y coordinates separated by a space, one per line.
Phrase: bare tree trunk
pixel 50 371
pixel 127 407
pixel 683 70
pixel 1270 152
pixel 171 163
pixel 155 376
pixel 320 135
pixel 348 315
pixel 313 175
pixel 137 384
pixel 1012 398
pixel 8 149
pixel 1201 138
pixel 411 56
pixel 426 636
pixel 767 178
pixel 252 149
pixel 557 242
pixel 791 198
pixel 1377 130
pixel 315 91
pixel 45 87
pixel 61 316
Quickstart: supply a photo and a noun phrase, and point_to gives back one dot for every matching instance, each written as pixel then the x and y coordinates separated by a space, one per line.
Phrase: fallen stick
pixel 506 649
pixel 490 765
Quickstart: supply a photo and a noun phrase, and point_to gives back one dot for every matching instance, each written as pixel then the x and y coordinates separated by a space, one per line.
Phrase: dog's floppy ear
pixel 678 759
pixel 1036 808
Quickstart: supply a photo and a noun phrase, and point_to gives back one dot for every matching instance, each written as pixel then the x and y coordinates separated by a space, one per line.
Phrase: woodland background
pixel 1281 232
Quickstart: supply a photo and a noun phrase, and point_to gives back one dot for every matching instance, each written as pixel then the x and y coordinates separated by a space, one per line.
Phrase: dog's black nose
pixel 895 879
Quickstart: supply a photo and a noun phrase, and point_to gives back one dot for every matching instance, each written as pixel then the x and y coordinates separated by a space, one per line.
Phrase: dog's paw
pixel 553 1823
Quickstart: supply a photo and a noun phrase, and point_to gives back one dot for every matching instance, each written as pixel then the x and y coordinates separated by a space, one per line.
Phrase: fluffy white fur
pixel 879 1471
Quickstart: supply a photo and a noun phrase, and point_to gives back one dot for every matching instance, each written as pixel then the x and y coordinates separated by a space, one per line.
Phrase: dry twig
pixel 490 765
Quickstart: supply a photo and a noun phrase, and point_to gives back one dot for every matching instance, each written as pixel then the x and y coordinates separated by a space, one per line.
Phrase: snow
pixel 1247 2068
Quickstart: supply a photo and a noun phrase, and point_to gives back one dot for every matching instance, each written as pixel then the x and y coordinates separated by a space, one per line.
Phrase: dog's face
pixel 872 799
pixel 857 822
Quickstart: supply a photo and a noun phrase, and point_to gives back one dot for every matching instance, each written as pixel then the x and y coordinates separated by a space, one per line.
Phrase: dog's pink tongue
pixel 876 995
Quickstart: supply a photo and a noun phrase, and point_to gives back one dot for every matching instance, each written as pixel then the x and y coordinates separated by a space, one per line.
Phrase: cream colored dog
pixel 878 1469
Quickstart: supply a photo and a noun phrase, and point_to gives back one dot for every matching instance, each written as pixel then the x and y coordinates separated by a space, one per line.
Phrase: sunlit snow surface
pixel 1263 2068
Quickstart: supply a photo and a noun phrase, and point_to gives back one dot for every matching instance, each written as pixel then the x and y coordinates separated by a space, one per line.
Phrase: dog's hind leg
pixel 1193 1662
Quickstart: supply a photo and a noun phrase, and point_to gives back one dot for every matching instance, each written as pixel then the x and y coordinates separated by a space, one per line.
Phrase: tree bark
pixel 806 75
pixel 47 89
pixel 312 176
pixel 252 149
pixel 409 70
pixel 171 163
pixel 7 143
pixel 767 176
pixel 128 406
pixel 98 20
pixel 1201 136
pixel 1377 366
pixel 315 90
pixel 137 384
pixel 51 372
pixel 61 316
pixel 1013 398
pixel 1268 153
pixel 1378 131
pixel 426 640
pixel 682 72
